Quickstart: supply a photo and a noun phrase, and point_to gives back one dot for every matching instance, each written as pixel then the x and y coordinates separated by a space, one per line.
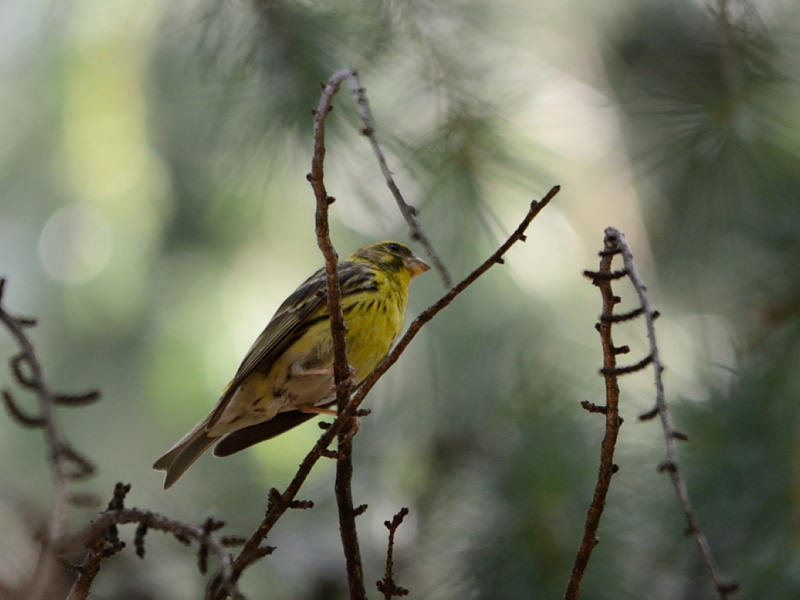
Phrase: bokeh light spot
pixel 75 244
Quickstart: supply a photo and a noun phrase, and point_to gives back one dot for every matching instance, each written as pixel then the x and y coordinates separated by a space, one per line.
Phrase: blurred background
pixel 154 212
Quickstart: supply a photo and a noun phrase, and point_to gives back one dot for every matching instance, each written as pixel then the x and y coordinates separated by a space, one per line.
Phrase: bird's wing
pixel 249 436
pixel 303 308
pixel 288 324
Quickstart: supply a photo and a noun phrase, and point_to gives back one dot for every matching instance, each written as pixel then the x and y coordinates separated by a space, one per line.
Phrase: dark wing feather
pixel 249 436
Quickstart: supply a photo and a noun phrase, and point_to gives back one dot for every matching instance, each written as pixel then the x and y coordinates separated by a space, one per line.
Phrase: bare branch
pixel 66 462
pixel 617 238
pixel 347 517
pixel 341 369
pixel 614 243
pixel 409 212
pixel 603 280
pixel 101 537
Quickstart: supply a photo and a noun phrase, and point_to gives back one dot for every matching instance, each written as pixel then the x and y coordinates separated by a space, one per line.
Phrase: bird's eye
pixel 394 247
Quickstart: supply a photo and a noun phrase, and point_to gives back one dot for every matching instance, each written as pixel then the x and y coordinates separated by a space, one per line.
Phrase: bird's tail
pixel 183 454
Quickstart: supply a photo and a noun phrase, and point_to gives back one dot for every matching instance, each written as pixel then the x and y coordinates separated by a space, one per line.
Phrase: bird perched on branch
pixel 287 375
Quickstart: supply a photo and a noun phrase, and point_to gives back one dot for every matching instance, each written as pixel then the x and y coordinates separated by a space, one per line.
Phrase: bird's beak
pixel 417 266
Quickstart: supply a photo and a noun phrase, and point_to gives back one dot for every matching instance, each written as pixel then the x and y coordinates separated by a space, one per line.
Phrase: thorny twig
pixel 614 243
pixel 67 463
pixel 102 540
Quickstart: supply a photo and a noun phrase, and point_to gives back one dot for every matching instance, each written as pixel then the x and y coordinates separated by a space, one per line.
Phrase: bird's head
pixel 391 256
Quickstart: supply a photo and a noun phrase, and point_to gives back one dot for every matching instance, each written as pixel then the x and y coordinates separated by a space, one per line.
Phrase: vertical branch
pixel 601 279
pixel 347 516
pixel 341 368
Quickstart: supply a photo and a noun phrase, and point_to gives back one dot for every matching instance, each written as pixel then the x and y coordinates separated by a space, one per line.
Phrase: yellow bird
pixel 287 375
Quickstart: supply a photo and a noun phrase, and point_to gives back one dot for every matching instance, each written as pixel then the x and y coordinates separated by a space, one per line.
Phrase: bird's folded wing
pixel 244 438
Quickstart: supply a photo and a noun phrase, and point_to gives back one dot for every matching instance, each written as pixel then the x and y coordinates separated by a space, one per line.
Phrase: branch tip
pixel 264 551
pixel 615 371
pixel 649 415
pixel 619 318
pixel 593 408
pixel 78 399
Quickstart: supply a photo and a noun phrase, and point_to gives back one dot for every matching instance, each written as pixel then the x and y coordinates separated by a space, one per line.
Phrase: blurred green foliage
pixel 155 212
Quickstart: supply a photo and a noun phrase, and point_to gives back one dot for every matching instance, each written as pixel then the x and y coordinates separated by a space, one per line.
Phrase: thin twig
pixel 408 211
pixel 94 538
pixel 496 258
pixel 611 411
pixel 670 433
pixel 387 585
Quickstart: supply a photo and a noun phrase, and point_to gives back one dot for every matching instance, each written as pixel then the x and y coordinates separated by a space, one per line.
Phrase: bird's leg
pixel 351 377
pixel 317 410
pixel 327 371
